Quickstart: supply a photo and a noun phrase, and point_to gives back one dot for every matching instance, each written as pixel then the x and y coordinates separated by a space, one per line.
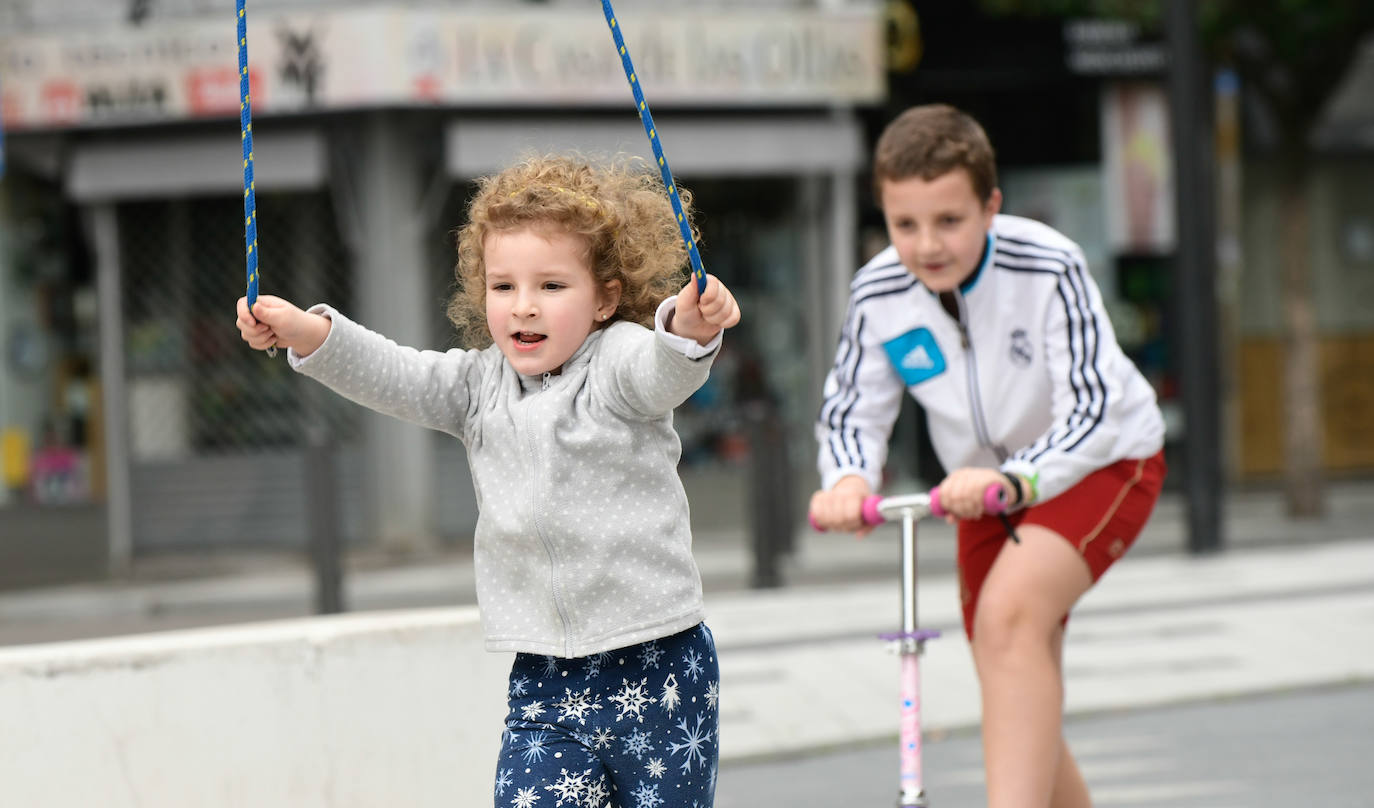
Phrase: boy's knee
pixel 1006 627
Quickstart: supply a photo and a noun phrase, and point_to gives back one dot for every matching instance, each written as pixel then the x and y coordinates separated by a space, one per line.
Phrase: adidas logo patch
pixel 917 359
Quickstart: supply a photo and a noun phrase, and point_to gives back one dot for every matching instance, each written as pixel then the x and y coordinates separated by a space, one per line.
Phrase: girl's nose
pixel 525 306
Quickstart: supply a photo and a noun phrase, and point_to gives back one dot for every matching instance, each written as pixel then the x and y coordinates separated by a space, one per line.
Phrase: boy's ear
pixel 610 298
pixel 994 204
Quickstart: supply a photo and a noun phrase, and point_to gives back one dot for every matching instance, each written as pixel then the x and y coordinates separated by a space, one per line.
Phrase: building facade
pixel 132 414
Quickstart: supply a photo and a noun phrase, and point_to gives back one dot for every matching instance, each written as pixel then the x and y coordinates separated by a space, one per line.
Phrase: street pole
pixel 322 520
pixel 1195 276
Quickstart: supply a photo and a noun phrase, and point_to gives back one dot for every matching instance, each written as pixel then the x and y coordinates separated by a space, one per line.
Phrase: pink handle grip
pixel 871 515
pixel 992 501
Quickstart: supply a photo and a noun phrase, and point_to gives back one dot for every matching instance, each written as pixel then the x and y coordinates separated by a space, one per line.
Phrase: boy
pixel 993 324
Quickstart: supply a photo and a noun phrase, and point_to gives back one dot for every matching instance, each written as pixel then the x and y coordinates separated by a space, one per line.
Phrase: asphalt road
pixel 1310 748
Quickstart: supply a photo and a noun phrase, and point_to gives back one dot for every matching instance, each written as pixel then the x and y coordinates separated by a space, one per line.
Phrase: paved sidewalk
pixel 802 670
pixel 1288 604
pixel 179 590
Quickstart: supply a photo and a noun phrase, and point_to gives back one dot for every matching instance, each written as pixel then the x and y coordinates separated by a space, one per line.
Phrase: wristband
pixel 1015 486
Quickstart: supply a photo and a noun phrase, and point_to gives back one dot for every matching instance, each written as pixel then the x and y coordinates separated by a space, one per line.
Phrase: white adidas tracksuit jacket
pixel 1029 378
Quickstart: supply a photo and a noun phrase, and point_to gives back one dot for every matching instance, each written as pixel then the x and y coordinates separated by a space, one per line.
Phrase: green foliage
pixel 1293 52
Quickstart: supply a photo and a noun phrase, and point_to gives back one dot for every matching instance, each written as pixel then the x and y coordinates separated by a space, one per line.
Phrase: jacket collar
pixel 972 280
pixel 535 383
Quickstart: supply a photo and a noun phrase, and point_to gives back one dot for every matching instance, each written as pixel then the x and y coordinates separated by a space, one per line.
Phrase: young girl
pixel 994 325
pixel 583 549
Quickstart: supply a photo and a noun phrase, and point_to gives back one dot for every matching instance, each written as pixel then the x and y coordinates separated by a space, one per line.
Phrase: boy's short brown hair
pixel 930 141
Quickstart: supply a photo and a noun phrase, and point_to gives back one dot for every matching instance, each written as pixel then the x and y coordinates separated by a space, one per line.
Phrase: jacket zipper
pixel 555 587
pixel 980 425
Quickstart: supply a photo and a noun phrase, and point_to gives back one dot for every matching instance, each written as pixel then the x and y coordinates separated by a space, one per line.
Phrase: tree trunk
pixel 1302 412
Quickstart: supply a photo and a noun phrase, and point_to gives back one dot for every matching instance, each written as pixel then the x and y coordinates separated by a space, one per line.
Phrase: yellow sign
pixel 904 44
pixel 14 457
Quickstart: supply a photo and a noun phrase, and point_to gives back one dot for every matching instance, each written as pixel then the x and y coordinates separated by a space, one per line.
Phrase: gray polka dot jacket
pixel 583 542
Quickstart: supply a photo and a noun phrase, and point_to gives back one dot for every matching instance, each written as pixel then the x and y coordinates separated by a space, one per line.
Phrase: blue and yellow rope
pixel 250 200
pixel 646 118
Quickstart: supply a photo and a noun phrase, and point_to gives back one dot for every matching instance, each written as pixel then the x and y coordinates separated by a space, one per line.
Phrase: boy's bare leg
pixel 1069 789
pixel 1017 644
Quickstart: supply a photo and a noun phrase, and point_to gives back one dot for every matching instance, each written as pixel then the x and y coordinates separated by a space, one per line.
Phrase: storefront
pixel 370 122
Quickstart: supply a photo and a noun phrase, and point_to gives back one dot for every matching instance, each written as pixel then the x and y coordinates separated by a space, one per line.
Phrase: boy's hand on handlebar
pixel 841 507
pixel 962 492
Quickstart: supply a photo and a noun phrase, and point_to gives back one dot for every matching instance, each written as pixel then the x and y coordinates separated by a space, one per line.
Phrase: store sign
pixel 370 57
pixel 1112 48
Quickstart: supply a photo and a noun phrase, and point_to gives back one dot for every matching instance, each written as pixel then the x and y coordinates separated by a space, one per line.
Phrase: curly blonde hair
pixel 618 205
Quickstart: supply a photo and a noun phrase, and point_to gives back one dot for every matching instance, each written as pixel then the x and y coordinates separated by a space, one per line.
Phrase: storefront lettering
pixel 162 50
pixel 301 66
pixel 536 55
pixel 215 90
pixel 462 57
pixel 481 60
pixel 773 58
pixel 126 98
pixel 61 102
pixel 712 64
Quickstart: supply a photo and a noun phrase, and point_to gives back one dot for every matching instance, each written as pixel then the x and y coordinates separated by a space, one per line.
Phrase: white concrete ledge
pixel 398 708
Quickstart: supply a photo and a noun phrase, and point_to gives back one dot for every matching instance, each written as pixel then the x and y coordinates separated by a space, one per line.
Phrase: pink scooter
pixel 911 640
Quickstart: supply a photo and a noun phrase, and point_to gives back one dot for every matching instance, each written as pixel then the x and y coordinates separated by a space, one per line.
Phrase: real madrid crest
pixel 1021 352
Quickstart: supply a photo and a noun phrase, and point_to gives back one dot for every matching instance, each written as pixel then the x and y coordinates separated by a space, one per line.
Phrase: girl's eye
pixel 553 287
pixel 500 287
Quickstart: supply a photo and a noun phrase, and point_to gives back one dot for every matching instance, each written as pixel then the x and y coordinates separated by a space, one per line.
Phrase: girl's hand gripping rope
pixel 702 316
pixel 275 322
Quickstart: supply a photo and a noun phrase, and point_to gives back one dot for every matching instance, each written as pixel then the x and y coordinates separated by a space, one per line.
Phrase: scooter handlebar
pixel 871 510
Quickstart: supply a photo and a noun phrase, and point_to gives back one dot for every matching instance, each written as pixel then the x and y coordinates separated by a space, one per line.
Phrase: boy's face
pixel 939 226
pixel 542 300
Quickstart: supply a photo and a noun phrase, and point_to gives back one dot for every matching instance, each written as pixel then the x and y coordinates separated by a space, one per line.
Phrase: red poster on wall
pixel 214 91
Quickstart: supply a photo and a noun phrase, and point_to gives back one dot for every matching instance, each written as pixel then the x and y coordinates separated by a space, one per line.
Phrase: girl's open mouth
pixel 527 340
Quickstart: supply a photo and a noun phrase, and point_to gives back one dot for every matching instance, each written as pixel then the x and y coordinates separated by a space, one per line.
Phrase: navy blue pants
pixel 637 727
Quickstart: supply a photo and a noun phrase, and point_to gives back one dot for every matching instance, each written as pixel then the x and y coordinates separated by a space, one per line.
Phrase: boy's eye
pixel 950 221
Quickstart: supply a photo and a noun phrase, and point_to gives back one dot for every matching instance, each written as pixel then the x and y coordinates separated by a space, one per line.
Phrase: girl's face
pixel 542 300
pixel 939 226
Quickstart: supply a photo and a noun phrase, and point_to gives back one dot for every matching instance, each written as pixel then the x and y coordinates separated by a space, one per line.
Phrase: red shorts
pixel 1101 516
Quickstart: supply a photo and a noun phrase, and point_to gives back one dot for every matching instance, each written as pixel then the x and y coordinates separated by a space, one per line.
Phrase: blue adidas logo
pixel 916 356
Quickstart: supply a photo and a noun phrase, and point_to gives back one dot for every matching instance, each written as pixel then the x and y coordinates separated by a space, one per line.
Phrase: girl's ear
pixel 609 300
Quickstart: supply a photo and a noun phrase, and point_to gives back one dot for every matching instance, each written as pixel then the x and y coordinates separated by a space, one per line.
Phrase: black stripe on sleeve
pixel 1097 405
pixel 1085 377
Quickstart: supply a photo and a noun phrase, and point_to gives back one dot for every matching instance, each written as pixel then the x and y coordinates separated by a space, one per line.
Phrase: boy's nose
pixel 927 243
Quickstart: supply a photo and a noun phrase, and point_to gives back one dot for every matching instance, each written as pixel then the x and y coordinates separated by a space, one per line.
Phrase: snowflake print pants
pixel 637 727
